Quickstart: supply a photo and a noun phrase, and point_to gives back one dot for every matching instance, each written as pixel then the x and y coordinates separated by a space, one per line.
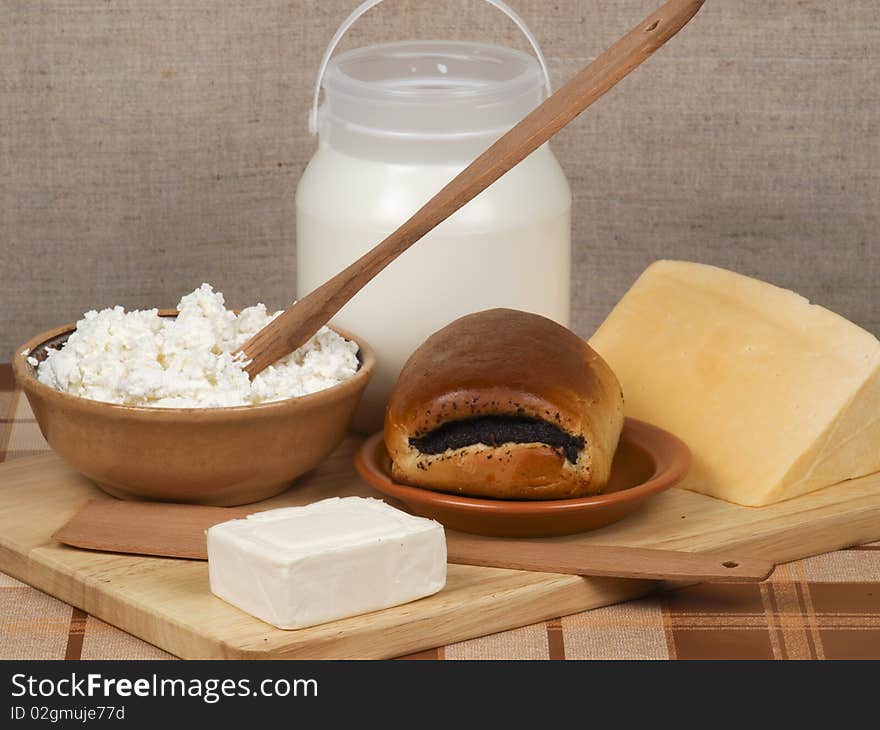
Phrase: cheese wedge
pixel 775 396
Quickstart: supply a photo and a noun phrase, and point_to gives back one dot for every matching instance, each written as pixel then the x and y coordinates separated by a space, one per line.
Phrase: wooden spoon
pixel 300 321
pixel 178 531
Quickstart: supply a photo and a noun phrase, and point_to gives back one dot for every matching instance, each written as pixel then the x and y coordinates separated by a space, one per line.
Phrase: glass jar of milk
pixel 398 122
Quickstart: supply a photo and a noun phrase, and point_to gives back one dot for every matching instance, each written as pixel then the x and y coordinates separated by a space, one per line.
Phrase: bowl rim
pixel 26 379
pixel 671 456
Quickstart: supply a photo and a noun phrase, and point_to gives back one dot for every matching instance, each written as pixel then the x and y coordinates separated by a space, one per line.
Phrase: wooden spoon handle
pixel 299 322
pixel 178 530
pixel 603 560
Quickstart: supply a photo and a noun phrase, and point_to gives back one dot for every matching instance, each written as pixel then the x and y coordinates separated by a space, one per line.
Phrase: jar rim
pixel 517 72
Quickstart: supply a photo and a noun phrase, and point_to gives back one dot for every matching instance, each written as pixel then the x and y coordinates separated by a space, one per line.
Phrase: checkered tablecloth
pixel 826 607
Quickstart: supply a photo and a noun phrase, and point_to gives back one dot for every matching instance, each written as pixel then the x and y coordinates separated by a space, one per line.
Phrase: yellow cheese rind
pixel 775 396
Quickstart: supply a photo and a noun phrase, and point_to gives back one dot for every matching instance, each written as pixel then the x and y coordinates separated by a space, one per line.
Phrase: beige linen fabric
pixel 146 146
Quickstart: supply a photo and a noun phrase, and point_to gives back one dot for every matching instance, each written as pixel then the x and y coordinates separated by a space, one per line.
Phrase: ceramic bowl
pixel 217 456
pixel 648 461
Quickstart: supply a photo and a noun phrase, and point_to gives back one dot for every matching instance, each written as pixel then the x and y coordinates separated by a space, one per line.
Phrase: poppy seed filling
pixel 496 430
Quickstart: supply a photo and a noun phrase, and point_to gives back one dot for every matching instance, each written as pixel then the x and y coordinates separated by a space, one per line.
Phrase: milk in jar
pixel 398 122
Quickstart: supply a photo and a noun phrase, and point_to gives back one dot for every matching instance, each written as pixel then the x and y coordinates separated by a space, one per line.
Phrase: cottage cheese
pixel 141 359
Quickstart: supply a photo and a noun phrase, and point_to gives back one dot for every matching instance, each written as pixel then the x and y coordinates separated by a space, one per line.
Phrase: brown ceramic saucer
pixel 648 460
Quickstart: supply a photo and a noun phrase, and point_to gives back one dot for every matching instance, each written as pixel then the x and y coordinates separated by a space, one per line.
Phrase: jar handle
pixel 369 5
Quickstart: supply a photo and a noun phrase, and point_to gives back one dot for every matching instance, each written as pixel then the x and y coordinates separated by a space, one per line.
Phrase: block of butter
pixel 300 566
pixel 775 396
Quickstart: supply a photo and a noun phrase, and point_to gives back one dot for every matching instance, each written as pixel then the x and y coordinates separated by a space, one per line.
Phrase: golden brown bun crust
pixel 506 362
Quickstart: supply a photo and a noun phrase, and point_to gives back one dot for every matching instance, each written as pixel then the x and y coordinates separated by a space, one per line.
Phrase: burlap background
pixel 148 145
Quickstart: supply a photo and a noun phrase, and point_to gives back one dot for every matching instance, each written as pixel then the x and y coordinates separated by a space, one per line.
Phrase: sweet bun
pixel 505 404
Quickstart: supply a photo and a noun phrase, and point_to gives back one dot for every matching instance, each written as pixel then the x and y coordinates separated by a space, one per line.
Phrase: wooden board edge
pixel 557 595
pixel 563 594
pixel 781 547
pixel 505 609
pixel 61 584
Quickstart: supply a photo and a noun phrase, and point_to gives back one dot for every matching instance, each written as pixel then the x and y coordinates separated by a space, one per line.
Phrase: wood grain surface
pixel 168 602
pixel 178 531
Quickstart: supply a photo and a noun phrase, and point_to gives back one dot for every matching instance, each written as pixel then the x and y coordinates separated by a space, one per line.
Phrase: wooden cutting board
pixel 168 603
